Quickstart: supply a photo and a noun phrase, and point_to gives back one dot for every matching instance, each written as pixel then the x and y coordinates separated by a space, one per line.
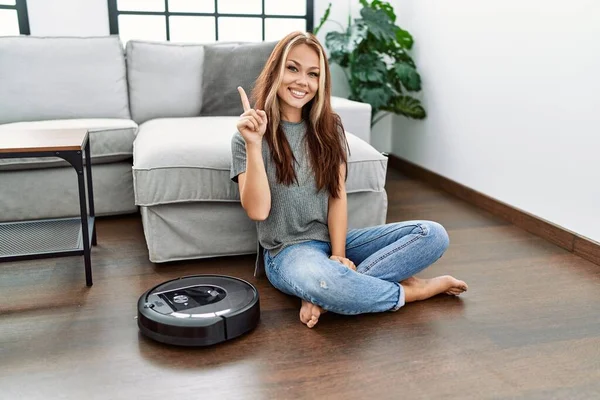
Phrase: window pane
pixel 141 5
pixel 240 29
pixel 199 6
pixel 240 7
pixel 144 27
pixel 279 7
pixel 9 23
pixel 192 29
pixel 8 3
pixel 277 28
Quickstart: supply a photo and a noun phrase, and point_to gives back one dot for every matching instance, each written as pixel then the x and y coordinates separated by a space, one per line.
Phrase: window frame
pixel 113 16
pixel 22 16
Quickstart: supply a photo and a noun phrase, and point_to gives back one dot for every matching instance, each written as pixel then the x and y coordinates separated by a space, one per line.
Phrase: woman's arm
pixel 337 218
pixel 254 186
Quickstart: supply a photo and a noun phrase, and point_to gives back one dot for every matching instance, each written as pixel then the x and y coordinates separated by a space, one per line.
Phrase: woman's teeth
pixel 298 94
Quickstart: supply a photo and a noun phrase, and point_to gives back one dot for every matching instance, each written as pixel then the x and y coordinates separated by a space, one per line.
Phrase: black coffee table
pixel 56 237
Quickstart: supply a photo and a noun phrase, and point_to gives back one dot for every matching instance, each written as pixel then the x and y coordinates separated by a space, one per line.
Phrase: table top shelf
pixel 42 140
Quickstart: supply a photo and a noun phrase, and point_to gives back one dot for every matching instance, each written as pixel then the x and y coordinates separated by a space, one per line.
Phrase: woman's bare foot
pixel 310 313
pixel 420 289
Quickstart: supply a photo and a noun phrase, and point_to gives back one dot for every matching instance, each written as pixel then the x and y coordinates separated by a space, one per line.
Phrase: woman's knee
pixel 437 233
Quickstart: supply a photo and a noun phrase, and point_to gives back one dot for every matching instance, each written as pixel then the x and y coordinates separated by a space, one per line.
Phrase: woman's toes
pixel 313 321
pixel 305 312
pixel 459 284
pixel 303 318
pixel 455 291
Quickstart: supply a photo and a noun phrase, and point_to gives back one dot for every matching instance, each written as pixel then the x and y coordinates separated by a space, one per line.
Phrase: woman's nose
pixel 302 80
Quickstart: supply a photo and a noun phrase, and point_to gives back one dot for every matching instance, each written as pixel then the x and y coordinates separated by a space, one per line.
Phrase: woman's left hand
pixel 344 261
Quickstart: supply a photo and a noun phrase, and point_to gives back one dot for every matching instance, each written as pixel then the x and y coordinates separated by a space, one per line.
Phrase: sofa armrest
pixel 355 116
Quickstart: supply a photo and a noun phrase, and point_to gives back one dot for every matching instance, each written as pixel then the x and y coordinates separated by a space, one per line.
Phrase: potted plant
pixel 373 53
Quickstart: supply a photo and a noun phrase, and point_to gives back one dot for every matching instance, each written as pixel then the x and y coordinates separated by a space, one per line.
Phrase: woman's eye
pixel 314 74
pixel 292 68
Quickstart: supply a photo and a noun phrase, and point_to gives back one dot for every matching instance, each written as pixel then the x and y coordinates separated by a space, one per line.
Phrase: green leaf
pixel 357 33
pixel 337 43
pixel 377 96
pixel 402 56
pixel 323 19
pixel 379 24
pixel 386 7
pixel 409 77
pixel 404 38
pixel 341 45
pixel 369 68
pixel 407 106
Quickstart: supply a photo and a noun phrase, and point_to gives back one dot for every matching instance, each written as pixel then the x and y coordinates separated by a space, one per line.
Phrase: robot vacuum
pixel 198 310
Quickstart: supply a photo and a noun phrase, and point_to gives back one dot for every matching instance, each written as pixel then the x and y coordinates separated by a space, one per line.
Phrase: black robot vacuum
pixel 198 310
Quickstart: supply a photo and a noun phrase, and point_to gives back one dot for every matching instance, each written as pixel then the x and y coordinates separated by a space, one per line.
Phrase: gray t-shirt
pixel 298 212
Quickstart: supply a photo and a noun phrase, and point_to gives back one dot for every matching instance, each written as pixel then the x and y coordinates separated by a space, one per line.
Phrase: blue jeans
pixel 384 255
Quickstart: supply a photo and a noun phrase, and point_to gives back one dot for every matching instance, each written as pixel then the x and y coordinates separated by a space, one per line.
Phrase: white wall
pixel 68 17
pixel 512 91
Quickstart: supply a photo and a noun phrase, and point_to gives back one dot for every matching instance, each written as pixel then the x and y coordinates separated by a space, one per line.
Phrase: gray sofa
pixel 161 116
pixel 65 82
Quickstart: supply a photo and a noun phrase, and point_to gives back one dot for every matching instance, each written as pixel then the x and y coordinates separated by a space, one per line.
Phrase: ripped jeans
pixel 384 255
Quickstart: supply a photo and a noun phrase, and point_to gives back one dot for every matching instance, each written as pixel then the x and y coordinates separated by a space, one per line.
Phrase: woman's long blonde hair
pixel 326 140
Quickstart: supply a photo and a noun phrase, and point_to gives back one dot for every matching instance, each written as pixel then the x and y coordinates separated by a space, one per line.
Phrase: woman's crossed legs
pixel 387 258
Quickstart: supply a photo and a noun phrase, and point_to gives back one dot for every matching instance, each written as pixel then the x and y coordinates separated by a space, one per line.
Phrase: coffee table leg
pixel 88 170
pixel 84 222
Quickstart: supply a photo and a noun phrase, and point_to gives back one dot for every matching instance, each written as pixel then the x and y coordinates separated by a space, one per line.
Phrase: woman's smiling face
pixel 300 81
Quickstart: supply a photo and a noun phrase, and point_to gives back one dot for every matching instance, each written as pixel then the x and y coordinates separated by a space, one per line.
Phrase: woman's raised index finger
pixel 245 102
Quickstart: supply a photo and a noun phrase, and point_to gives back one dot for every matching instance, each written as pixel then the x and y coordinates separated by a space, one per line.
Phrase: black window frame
pixel 21 8
pixel 114 12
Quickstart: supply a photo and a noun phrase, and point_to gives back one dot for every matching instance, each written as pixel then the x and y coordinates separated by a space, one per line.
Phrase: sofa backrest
pixel 165 79
pixel 61 78
pixel 227 66
pixel 168 80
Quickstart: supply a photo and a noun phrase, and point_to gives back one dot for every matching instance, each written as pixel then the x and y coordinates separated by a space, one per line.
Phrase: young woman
pixel 289 159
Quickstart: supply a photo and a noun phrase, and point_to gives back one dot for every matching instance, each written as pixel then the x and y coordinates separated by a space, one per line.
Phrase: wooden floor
pixel 528 328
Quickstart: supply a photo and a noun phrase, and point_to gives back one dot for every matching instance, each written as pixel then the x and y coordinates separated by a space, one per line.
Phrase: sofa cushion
pixel 189 159
pixel 58 78
pixel 227 66
pixel 54 193
pixel 165 79
pixel 111 140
